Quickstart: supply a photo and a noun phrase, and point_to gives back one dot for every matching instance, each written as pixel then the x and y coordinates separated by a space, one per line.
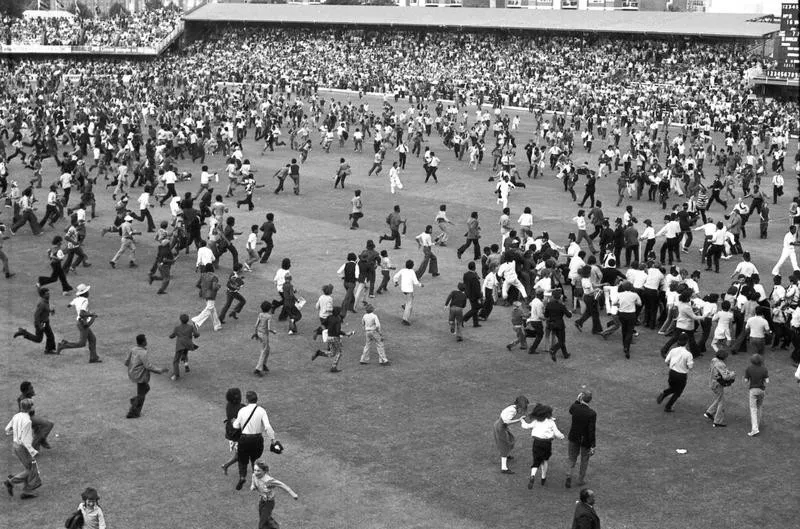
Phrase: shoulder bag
pixel 236 433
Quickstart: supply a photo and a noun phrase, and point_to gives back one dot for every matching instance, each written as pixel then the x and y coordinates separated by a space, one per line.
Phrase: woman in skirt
pixel 543 429
pixel 502 436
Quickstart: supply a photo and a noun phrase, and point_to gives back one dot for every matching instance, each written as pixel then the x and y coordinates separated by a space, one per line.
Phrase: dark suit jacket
pixel 584 419
pixel 585 517
pixel 472 284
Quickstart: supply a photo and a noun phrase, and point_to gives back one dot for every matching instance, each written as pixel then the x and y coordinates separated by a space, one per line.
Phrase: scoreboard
pixel 787 44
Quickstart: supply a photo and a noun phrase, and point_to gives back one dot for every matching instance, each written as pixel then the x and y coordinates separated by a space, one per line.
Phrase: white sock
pixel 533 471
pixel 503 463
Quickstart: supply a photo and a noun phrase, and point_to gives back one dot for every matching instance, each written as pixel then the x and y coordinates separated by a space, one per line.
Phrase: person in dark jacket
pixel 41 324
pixel 473 237
pixel 139 369
pixel 183 333
pixel 335 333
pixel 209 286
pixel 585 516
pixel 233 292
pixel 581 436
pixel 554 312
pixel 474 292
pixel 456 302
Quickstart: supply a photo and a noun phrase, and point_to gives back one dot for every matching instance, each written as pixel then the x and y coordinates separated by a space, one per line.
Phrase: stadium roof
pixel 641 22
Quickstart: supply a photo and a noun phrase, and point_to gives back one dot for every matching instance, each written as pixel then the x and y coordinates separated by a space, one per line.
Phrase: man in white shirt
pixel 253 421
pixel 66 184
pixel 84 318
pixel 671 230
pixel 745 268
pixel 680 362
pixel 51 211
pixel 503 188
pixel 756 330
pixel 144 209
pixel 169 177
pixel 788 252
pixel 508 271
pixel 649 235
pixel 21 428
pixel 204 256
pixel 535 321
pixel 406 279
pixel 709 228
pixel 650 289
pixel 425 243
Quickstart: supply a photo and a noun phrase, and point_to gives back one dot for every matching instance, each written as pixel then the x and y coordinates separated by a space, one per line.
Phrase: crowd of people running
pixel 135 130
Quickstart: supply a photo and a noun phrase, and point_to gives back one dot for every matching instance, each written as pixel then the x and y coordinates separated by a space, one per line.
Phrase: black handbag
pixel 75 520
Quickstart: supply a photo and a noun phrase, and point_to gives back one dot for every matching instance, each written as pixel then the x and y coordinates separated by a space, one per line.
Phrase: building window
pixel 569 4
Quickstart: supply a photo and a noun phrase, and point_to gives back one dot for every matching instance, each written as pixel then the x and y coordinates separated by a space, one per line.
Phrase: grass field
pixel 406 446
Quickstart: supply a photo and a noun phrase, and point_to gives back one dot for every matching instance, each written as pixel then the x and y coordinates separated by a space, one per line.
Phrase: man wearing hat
pixel 373 335
pixel 126 242
pixel 85 320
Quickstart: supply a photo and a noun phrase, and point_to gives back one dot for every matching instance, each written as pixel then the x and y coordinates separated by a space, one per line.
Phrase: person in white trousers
pixel 789 242
pixel 209 286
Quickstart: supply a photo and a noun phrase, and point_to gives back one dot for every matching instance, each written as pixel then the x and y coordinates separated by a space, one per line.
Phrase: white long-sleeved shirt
pixel 407 279
pixel 648 233
pixel 537 310
pixel 525 220
pixel 340 271
pixel 21 428
pixel 671 229
pixel 788 241
pixel 708 228
pixel 545 429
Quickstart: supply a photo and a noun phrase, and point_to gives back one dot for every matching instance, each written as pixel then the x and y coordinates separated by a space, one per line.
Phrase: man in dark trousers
pixel 41 324
pixel 581 436
pixel 473 290
pixel 393 220
pixel 253 421
pixel 585 516
pixel 139 369
pixel 591 183
pixel 473 236
pixel 267 231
